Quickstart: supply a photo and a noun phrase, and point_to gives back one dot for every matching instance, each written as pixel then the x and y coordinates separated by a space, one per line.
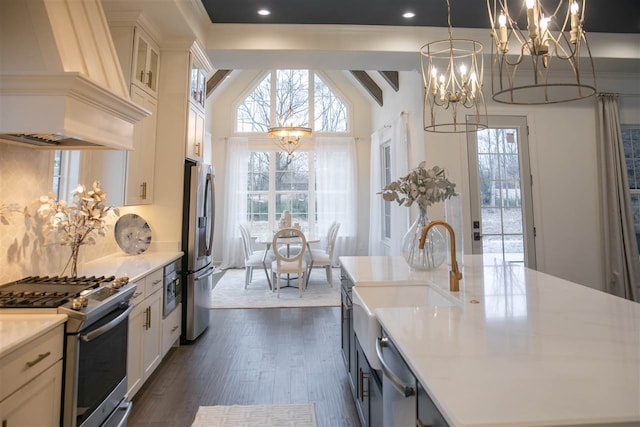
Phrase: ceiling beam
pixel 392 78
pixel 369 84
pixel 215 80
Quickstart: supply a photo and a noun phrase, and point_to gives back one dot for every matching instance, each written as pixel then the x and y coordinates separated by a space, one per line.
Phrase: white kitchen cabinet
pixel 195 133
pixel 145 329
pixel 171 329
pixel 128 176
pixel 32 378
pixel 146 62
pixel 141 161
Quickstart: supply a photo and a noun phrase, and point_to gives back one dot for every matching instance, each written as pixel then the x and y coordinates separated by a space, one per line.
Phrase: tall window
pixel 385 159
pixel 277 183
pixel 65 173
pixel 631 141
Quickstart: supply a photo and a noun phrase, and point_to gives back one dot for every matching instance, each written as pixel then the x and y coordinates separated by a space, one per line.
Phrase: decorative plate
pixel 133 234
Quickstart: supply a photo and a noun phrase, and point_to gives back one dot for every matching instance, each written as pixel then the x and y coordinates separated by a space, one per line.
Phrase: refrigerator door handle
pixel 209 199
pixel 204 273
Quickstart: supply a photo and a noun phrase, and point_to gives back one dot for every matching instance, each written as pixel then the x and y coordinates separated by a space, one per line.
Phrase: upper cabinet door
pixel 146 63
pixel 197 83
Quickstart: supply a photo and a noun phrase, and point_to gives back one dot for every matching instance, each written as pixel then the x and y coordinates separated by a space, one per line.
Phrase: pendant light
pixel 541 52
pixel 452 77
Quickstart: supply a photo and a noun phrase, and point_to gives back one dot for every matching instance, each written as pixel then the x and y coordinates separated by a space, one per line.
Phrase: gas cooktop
pixel 47 292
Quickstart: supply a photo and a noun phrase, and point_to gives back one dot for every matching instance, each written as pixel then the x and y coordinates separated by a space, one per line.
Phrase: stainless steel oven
pixel 172 287
pixel 96 337
pixel 96 370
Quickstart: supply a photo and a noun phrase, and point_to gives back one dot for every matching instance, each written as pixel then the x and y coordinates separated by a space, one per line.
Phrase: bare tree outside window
pixel 253 113
pixel 330 112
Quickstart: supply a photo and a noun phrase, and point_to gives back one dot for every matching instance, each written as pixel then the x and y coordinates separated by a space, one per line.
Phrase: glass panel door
pixel 500 190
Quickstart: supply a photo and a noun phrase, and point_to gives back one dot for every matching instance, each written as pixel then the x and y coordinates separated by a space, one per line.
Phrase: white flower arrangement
pixel 421 186
pixel 77 223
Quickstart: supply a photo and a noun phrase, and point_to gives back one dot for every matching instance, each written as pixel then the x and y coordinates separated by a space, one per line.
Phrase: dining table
pixel 267 240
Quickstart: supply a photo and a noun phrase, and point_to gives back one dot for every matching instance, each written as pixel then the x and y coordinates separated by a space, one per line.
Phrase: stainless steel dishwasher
pixel 399 399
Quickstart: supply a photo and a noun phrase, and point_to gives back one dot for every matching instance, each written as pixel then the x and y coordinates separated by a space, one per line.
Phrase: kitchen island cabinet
pixel 364 382
pixel 521 347
pixel 31 369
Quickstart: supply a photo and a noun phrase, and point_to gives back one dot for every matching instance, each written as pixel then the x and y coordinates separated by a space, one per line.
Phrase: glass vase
pixel 435 247
pixel 72 263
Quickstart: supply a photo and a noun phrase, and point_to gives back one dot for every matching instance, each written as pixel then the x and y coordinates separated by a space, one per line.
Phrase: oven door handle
pixel 404 389
pixel 106 328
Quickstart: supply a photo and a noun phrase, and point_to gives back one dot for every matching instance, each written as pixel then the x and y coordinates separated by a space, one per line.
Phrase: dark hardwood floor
pixel 252 356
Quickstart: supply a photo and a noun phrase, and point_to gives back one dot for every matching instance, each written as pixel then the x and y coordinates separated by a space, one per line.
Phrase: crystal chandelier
pixel 452 77
pixel 288 137
pixel 541 52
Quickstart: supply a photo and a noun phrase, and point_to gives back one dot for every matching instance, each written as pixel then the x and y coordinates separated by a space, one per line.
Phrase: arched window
pixel 291 92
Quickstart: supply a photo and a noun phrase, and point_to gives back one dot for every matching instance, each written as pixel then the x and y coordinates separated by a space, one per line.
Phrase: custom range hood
pixel 61 84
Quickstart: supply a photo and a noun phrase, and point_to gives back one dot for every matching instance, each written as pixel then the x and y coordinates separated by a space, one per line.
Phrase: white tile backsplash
pixel 25 175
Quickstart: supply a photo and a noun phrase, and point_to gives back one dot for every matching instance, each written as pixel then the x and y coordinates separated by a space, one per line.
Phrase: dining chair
pixel 324 257
pixel 254 258
pixel 286 262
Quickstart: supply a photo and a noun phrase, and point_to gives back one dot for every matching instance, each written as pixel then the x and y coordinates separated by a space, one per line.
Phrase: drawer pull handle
pixel 136 295
pixel 155 282
pixel 174 328
pixel 38 359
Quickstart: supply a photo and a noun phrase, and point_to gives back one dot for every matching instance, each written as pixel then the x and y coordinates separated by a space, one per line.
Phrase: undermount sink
pixel 366 299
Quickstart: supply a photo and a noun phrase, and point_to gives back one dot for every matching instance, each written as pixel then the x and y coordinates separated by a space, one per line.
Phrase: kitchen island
pixel 519 348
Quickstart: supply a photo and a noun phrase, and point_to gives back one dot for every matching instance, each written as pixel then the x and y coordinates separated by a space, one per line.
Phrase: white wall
pixel 220 123
pixel 564 165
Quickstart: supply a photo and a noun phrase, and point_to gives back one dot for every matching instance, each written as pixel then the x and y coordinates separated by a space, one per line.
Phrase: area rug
pixel 229 292
pixel 301 415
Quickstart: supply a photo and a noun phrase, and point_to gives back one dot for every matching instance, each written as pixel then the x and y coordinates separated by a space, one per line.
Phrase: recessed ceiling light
pixel 408 15
pixel 264 12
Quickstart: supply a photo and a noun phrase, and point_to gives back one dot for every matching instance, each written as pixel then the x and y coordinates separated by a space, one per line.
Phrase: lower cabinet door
pixel 137 325
pixel 375 399
pixel 152 336
pixel 37 403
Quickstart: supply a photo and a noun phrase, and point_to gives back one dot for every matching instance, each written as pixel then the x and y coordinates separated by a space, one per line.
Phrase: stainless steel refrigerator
pixel 199 274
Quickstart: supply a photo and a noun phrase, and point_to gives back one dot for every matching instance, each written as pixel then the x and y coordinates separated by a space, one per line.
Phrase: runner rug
pixel 301 415
pixel 229 292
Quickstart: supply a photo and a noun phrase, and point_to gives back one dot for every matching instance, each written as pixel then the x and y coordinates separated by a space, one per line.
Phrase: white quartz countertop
pixel 17 330
pixel 522 349
pixel 132 266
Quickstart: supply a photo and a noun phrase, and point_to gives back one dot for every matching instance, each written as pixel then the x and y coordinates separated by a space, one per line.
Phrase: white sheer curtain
pixel 399 167
pixel 375 200
pixel 622 267
pixel 235 202
pixel 336 183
